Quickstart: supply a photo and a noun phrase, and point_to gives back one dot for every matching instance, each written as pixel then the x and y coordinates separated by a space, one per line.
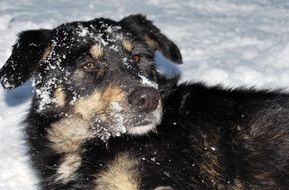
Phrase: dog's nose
pixel 146 99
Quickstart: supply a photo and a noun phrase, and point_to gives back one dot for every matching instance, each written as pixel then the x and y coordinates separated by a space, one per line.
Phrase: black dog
pixel 93 79
pixel 209 138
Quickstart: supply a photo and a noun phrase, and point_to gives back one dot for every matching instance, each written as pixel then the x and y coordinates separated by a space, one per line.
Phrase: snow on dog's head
pixel 99 73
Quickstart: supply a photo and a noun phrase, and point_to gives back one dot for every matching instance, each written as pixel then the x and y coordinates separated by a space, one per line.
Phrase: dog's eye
pixel 89 66
pixel 136 58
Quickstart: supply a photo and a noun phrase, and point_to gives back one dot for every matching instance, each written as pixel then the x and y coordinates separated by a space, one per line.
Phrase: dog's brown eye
pixel 136 58
pixel 89 66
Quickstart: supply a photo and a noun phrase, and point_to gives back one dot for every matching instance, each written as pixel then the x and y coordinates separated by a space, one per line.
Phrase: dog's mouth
pixel 142 128
pixel 120 120
pixel 145 123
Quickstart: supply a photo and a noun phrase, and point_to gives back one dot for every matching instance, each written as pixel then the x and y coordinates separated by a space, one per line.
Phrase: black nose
pixel 145 99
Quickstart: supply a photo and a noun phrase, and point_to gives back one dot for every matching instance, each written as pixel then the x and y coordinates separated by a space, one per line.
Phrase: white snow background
pixel 232 42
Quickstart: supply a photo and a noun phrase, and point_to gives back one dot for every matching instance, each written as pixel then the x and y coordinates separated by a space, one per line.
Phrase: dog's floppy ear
pixel 25 57
pixel 152 36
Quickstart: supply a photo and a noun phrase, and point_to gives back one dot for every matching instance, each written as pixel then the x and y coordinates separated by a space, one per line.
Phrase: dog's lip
pixel 145 119
pixel 143 123
pixel 142 128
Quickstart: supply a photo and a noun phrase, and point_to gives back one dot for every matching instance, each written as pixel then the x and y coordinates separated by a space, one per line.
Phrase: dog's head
pixel 100 71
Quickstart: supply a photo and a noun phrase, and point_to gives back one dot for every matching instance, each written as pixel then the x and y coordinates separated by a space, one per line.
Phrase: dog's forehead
pixel 104 32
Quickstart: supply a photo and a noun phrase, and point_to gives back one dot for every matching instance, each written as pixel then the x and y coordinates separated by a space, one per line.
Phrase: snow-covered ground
pixel 233 42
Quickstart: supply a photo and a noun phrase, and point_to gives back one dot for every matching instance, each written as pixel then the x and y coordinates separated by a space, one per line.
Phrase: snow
pixel 146 82
pixel 232 42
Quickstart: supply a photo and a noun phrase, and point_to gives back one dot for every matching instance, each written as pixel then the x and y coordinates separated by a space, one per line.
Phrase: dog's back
pixel 227 139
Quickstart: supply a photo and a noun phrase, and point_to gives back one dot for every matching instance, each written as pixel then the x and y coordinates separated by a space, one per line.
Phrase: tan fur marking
pixel 152 43
pixel 46 53
pixel 237 185
pixel 67 135
pixel 265 177
pixel 60 97
pixel 66 170
pixel 96 51
pixel 127 45
pixel 98 102
pixel 121 174
pixel 164 188
pixel 210 170
pixel 210 166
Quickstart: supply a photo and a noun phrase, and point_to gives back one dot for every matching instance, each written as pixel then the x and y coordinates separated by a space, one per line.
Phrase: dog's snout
pixel 146 99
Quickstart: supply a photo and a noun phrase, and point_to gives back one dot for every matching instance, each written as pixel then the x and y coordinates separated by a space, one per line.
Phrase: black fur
pixel 25 54
pixel 144 27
